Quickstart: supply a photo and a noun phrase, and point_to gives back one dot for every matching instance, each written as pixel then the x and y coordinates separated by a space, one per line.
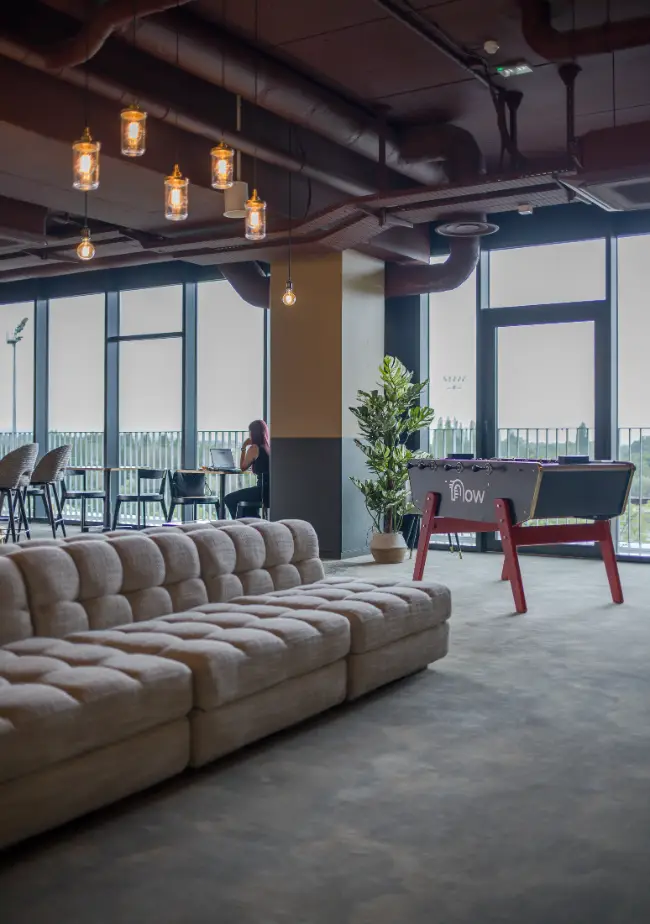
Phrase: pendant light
pixel 133 121
pixel 85 151
pixel 222 156
pixel 289 296
pixel 255 221
pixel 176 196
pixel 85 162
pixel 86 248
pixel 176 185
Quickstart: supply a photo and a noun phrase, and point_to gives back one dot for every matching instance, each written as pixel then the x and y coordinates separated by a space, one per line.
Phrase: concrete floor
pixel 511 783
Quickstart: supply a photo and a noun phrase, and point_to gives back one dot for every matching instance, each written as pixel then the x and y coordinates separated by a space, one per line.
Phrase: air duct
pixel 441 277
pixel 549 43
pixel 249 282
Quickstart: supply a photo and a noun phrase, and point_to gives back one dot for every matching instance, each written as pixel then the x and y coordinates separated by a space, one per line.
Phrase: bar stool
pixel 83 494
pixel 47 474
pixel 188 489
pixel 15 471
pixel 142 498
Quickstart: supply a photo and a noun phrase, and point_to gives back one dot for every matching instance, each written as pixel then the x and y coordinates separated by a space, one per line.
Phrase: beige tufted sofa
pixel 126 657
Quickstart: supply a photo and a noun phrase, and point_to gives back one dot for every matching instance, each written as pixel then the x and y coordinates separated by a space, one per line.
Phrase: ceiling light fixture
pixel 134 131
pixel 234 198
pixel 176 196
pixel 176 185
pixel 85 249
pixel 223 156
pixel 289 296
pixel 85 162
pixel 133 120
pixel 255 221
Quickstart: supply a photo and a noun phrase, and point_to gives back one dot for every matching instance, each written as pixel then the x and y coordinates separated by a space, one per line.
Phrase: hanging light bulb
pixel 289 296
pixel 85 249
pixel 176 196
pixel 223 162
pixel 133 131
pixel 255 218
pixel 85 162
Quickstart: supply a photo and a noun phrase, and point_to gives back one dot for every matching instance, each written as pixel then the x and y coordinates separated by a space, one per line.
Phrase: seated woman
pixel 255 457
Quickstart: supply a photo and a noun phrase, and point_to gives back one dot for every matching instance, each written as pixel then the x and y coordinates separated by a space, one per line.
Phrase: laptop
pixel 222 460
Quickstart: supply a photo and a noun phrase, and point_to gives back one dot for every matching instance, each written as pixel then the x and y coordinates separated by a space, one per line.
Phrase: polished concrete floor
pixel 510 783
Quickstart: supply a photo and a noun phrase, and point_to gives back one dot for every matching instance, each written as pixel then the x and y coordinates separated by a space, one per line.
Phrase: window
pixel 16 403
pixel 452 367
pixel 231 365
pixel 76 384
pixel 633 330
pixel 547 274
pixel 151 311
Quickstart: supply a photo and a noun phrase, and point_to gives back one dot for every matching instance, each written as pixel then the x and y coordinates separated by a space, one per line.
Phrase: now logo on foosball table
pixel 459 492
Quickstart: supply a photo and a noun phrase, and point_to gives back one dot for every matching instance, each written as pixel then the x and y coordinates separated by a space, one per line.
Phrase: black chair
pixel 83 494
pixel 142 498
pixel 15 472
pixel 259 508
pixel 187 490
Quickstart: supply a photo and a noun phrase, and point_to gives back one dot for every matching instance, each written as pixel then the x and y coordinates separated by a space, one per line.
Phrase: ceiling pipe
pixel 99 27
pixel 441 277
pixel 550 43
pixel 249 282
pixel 280 89
pixel 115 90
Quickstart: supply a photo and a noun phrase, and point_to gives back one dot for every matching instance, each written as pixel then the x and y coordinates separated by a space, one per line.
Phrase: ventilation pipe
pixel 249 282
pixel 549 43
pixel 464 251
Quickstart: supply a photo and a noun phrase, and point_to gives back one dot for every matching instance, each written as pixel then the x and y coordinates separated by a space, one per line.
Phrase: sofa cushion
pixel 379 611
pixel 234 652
pixel 60 699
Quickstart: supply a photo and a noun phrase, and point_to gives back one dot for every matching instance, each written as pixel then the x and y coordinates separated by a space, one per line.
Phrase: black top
pixel 261 465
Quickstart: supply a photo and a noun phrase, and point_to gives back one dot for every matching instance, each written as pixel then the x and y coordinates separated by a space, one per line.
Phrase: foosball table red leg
pixel 511 570
pixel 609 559
pixel 430 510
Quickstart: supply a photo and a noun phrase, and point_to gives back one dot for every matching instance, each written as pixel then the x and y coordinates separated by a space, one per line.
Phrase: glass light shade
pixel 289 296
pixel 133 131
pixel 85 249
pixel 85 162
pixel 176 196
pixel 223 161
pixel 255 218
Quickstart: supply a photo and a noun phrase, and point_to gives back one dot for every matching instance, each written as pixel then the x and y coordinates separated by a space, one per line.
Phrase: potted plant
pixel 387 416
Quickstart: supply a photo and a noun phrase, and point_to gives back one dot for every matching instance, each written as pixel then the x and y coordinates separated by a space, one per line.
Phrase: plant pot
pixel 388 548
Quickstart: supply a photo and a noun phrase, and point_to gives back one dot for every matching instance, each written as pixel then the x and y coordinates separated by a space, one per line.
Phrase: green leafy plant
pixel 387 416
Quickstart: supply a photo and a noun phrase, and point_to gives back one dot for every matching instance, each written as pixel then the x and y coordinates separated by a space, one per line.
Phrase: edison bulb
pixel 176 196
pixel 223 159
pixel 86 248
pixel 255 218
pixel 289 296
pixel 134 131
pixel 85 162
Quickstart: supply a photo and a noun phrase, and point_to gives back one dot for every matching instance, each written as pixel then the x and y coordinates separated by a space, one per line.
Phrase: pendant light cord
pixel 290 197
pixel 608 24
pixel 178 78
pixel 257 32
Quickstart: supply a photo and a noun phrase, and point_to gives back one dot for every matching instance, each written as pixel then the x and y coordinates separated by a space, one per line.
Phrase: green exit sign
pixel 514 69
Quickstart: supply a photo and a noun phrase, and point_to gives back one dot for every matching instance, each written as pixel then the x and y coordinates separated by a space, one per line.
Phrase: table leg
pixel 430 510
pixel 511 568
pixel 222 494
pixel 108 506
pixel 609 557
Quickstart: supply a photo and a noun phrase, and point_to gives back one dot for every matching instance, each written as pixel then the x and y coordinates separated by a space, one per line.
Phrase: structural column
pixel 322 350
pixel 407 338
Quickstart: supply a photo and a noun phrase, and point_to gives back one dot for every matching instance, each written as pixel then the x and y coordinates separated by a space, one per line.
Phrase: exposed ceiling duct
pixel 249 281
pixel 550 43
pixel 209 51
pixel 111 15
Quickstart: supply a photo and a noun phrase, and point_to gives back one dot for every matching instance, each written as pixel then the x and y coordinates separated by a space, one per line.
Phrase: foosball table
pixel 464 495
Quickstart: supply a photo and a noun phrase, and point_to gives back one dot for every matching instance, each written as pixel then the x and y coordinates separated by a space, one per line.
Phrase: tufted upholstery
pixel 232 651
pixel 58 587
pixel 59 699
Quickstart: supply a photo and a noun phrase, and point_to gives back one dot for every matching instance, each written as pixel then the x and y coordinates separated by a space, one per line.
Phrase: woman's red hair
pixel 260 435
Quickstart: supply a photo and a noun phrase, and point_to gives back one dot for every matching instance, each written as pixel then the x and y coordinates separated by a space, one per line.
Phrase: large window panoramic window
pixel 548 274
pixel 76 370
pixel 151 311
pixel 231 366
pixel 16 375
pixel 452 367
